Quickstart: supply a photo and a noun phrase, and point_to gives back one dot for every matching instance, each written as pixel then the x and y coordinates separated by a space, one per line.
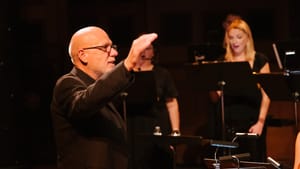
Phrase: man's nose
pixel 114 52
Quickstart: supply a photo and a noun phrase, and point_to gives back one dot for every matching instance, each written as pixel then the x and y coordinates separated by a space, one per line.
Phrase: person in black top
pixel 245 112
pixel 89 131
pixel 163 113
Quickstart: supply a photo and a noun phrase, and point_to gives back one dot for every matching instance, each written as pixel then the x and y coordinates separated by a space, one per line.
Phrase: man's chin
pixel 111 66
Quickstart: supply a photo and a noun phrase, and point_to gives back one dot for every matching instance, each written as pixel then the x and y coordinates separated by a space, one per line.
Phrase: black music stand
pixel 233 77
pixel 235 163
pixel 282 86
pixel 140 99
pixel 184 139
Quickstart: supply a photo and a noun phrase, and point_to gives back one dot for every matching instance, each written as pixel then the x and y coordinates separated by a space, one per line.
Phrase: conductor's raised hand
pixel 137 48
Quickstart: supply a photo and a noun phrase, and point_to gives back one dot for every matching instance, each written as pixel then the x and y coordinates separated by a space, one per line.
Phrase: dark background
pixel 34 36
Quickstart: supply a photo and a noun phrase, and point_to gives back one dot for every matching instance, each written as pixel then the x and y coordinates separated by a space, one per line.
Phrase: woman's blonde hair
pixel 243 26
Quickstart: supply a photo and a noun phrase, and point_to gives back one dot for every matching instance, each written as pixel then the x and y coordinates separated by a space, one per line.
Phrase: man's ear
pixel 82 57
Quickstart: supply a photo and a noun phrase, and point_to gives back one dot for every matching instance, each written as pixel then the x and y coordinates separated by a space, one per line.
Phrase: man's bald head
pixel 85 37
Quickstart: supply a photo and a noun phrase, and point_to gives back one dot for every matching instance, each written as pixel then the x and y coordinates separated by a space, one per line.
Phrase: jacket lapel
pixel 118 116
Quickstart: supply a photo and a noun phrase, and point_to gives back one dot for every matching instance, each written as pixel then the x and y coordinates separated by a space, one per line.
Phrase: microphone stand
pixel 296 100
pixel 295 95
pixel 221 85
pixel 216 164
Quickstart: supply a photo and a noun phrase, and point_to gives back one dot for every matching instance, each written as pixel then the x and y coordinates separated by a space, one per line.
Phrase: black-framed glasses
pixel 104 48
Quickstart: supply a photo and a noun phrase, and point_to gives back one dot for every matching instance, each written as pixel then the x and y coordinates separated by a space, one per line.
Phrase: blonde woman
pixel 246 111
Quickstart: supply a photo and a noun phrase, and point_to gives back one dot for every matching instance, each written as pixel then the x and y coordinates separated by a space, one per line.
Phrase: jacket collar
pixel 82 75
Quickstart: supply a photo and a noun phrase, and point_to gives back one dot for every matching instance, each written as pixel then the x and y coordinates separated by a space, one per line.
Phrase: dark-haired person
pixel 164 112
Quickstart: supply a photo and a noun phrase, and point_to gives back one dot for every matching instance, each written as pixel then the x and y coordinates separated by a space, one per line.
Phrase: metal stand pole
pixel 221 85
pixel 296 100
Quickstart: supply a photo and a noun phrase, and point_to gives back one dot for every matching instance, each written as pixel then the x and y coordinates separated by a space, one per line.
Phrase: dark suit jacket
pixel 89 131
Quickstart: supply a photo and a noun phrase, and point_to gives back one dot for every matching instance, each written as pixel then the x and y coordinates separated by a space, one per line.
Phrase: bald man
pixel 89 131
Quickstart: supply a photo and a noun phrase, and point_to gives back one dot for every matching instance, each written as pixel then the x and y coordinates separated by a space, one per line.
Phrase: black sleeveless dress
pixel 241 112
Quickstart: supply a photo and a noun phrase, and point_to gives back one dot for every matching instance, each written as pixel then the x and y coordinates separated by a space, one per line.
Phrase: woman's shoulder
pixel 259 61
pixel 261 56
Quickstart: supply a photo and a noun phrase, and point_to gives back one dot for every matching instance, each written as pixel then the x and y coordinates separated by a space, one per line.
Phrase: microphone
pixel 246 134
pixel 273 162
pixel 124 95
pixel 235 156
